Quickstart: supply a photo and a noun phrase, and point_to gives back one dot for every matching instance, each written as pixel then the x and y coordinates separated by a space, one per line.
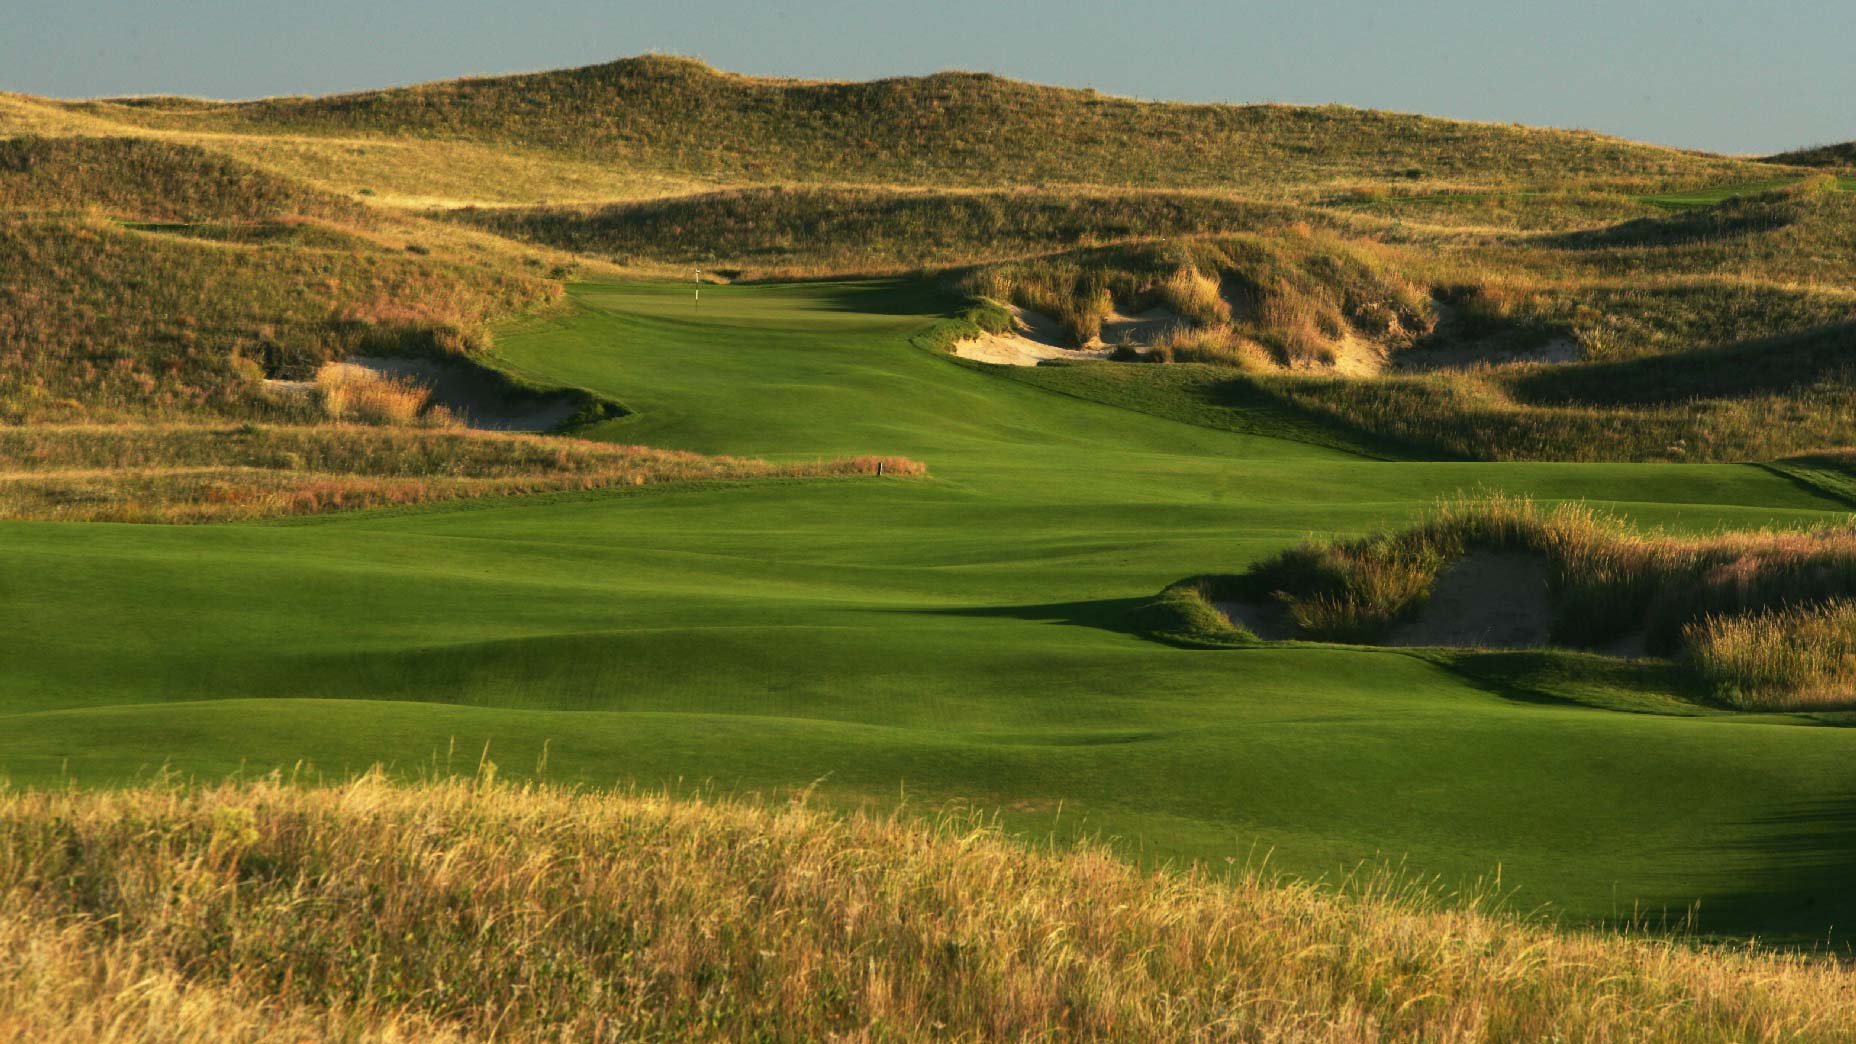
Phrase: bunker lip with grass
pixel 1762 618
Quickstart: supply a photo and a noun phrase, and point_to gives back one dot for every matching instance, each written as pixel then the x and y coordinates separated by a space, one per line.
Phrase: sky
pixel 1726 75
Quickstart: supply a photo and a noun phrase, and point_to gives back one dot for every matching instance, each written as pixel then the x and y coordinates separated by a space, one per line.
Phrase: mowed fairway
pixel 962 638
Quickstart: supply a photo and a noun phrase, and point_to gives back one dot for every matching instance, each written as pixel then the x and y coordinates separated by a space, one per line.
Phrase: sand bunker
pixel 1266 621
pixel 1469 357
pixel 1483 600
pixel 1355 356
pixel 476 397
pixel 1472 354
pixel 1139 330
pixel 1033 339
pixel 1036 339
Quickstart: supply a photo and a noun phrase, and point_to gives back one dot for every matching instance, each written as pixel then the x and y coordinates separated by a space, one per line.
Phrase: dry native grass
pixel 1796 657
pixel 353 393
pixel 466 911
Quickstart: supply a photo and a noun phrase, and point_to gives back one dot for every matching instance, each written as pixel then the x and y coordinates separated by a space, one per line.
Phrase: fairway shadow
pixel 1272 416
pixel 1573 677
pixel 1107 614
pixel 878 296
pixel 1806 855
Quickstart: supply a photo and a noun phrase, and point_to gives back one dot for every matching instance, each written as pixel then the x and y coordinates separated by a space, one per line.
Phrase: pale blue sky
pixel 1718 74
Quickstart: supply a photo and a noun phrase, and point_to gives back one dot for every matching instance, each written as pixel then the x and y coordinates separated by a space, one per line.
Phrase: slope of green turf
pixel 964 637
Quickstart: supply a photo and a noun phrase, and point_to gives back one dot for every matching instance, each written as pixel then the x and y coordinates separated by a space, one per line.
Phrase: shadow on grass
pixel 1274 415
pixel 1116 615
pixel 885 296
pixel 1589 679
pixel 1571 677
pixel 1787 877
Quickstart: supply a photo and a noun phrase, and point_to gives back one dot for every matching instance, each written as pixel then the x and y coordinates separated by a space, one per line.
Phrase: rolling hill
pixel 790 537
pixel 679 116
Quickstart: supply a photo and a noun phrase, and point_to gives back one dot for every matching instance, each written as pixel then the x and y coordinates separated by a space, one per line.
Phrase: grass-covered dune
pixel 471 911
pixel 675 115
pixel 148 280
pixel 103 322
pixel 805 230
pixel 1716 332
pixel 1842 154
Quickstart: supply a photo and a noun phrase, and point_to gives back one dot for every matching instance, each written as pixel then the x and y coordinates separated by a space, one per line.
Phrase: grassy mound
pixel 674 115
pixel 463 911
pixel 147 180
pixel 1477 418
pixel 1762 617
pixel 1688 345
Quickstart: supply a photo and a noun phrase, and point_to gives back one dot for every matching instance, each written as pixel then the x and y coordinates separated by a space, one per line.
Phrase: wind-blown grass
pixel 1795 657
pixel 467 911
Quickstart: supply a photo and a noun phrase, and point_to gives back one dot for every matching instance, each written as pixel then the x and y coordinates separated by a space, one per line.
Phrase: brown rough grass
pixel 194 473
pixel 464 911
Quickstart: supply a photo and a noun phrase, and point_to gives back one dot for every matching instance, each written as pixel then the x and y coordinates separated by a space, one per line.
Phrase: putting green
pixel 961 638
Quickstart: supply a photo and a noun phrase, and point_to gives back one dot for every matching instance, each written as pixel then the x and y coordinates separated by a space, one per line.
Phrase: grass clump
pixel 464 911
pixel 353 393
pixel 1783 659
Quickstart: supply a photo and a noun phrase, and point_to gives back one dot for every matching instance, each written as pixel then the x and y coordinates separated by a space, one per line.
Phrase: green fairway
pixel 959 638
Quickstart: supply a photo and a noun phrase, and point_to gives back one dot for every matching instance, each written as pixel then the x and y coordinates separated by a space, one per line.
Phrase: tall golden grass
pixel 466 911
pixel 357 394
pixel 1781 659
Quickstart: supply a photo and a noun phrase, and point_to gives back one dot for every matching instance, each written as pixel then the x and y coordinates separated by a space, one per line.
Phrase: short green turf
pixel 959 639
